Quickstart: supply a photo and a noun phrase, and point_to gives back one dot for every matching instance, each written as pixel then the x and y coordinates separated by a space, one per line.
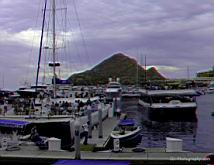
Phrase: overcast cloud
pixel 173 34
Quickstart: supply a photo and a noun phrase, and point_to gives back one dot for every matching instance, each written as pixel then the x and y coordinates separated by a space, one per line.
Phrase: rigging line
pixel 77 54
pixel 60 23
pixel 82 36
pixel 63 42
pixel 75 46
pixel 68 68
pixel 30 60
pixel 40 48
pixel 47 23
pixel 60 34
pixel 66 42
pixel 49 53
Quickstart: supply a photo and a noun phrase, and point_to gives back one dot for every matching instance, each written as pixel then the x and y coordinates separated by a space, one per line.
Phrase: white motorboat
pixel 128 133
pixel 161 105
pixel 113 90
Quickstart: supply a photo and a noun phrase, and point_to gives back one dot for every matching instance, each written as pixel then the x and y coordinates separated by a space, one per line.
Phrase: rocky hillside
pixel 118 65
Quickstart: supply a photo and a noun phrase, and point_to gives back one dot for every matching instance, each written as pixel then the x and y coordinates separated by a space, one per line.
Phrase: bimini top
pixel 127 122
pixel 13 123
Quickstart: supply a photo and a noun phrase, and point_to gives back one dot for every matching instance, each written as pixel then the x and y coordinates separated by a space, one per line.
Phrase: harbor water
pixel 197 135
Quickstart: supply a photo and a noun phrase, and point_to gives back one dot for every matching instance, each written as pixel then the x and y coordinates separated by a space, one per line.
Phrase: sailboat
pixel 59 126
pixel 61 90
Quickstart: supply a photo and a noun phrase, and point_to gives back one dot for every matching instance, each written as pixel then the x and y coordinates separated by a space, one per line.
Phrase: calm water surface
pixel 197 136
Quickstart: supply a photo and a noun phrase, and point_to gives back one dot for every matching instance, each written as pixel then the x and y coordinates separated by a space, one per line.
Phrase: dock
pixel 31 153
pixel 35 156
pixel 108 126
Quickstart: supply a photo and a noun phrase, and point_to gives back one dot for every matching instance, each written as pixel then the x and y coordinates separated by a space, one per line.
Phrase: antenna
pixel 188 73
pixel 145 76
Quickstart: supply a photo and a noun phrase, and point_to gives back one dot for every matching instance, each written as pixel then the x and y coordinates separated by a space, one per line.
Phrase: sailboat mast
pixel 145 76
pixel 54 47
pixel 40 47
pixel 137 75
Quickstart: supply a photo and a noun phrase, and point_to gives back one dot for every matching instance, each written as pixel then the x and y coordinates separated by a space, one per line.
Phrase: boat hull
pixel 163 114
pixel 110 96
pixel 127 141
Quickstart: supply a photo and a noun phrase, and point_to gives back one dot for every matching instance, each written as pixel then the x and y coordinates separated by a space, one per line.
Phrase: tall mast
pixel 54 47
pixel 40 47
pixel 137 75
pixel 145 76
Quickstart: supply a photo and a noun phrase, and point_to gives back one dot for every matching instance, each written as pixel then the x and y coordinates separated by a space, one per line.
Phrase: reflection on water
pixel 197 136
pixel 154 134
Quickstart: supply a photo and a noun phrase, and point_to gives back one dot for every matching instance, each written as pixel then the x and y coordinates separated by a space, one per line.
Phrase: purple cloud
pixel 172 34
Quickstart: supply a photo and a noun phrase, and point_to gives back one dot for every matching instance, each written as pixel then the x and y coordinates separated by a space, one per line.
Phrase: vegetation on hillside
pixel 118 65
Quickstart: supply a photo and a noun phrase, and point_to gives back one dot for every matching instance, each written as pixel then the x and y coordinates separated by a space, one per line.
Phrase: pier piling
pixel 101 107
pixel 77 139
pixel 90 121
pixel 114 106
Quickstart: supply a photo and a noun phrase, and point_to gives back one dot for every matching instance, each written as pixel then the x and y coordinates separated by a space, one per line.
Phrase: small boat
pixel 210 90
pixel 128 132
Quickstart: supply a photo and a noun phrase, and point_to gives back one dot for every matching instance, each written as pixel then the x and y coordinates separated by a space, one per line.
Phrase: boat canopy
pixel 13 123
pixel 127 122
pixel 187 92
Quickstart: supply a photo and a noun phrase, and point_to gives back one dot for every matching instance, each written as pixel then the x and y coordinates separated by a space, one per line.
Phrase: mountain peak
pixel 119 55
pixel 117 65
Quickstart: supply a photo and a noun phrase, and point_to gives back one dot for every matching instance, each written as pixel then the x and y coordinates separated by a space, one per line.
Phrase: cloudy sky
pixel 173 34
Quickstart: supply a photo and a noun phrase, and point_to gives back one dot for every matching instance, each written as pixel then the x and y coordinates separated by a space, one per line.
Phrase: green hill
pixel 117 65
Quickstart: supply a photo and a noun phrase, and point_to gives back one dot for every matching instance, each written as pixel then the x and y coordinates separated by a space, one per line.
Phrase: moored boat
pixel 210 89
pixel 163 105
pixel 113 90
pixel 128 133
